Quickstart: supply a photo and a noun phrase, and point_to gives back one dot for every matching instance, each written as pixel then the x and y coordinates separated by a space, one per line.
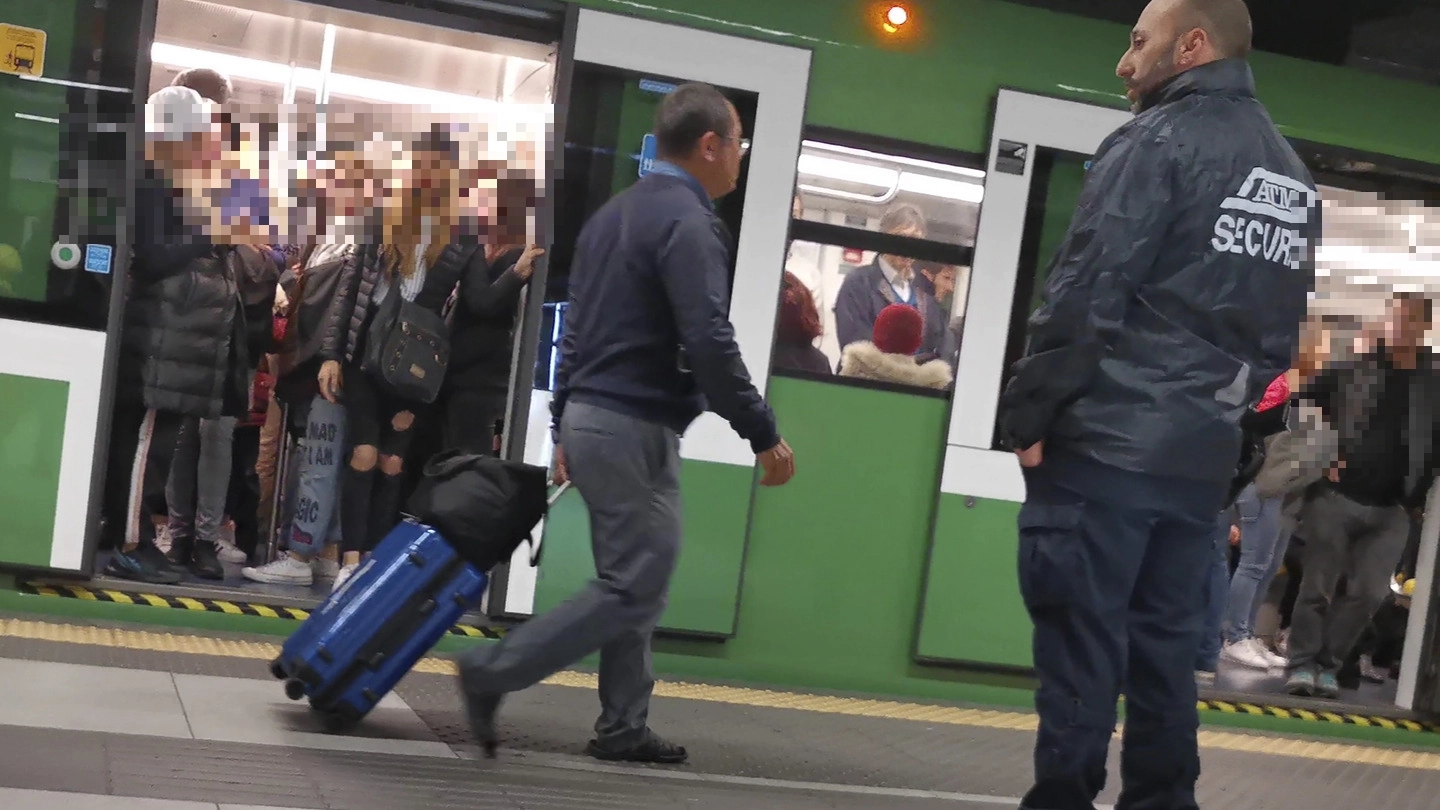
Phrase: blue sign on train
pixel 647 154
pixel 652 86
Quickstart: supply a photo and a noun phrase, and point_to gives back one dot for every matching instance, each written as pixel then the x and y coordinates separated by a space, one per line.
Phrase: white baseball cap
pixel 176 113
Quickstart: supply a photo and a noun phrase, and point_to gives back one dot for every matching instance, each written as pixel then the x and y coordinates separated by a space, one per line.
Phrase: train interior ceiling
pixel 283 56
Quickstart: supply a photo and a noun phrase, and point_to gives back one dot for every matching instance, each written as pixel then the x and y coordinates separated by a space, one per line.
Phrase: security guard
pixel 1174 300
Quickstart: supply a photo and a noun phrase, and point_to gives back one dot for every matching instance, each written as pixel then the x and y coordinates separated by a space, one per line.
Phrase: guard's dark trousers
pixel 1113 569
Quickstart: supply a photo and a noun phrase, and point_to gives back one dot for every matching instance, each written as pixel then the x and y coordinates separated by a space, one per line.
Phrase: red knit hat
pixel 899 329
pixel 1276 395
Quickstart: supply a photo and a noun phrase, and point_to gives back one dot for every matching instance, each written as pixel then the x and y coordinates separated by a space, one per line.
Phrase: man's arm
pixel 566 357
pixel 694 269
pixel 852 323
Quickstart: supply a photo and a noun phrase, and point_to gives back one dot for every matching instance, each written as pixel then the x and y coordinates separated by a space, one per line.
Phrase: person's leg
pixel 470 418
pixel 1379 541
pixel 1160 762
pixel 1218 586
pixel 357 482
pixel 141 560
pixel 267 463
pixel 1328 520
pixel 1078 561
pixel 125 427
pixel 217 437
pixel 244 503
pixel 385 498
pixel 319 457
pixel 181 488
pixel 624 469
pixel 1260 551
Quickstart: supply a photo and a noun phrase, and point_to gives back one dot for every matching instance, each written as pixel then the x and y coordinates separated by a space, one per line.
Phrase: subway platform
pixel 124 718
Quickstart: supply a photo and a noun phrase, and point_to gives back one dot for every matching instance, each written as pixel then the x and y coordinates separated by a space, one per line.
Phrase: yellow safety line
pixel 762 698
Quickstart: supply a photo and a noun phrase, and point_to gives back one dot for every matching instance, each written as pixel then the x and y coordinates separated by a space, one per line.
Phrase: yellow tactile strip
pixel 87 593
pixel 858 707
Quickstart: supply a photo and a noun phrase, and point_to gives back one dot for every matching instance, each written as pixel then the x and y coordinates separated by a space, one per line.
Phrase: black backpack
pixel 483 506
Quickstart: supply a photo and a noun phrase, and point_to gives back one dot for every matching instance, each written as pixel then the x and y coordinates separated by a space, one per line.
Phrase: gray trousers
pixel 628 472
pixel 199 483
pixel 1346 539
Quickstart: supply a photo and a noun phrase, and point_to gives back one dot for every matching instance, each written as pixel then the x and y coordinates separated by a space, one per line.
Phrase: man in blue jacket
pixel 1174 300
pixel 647 345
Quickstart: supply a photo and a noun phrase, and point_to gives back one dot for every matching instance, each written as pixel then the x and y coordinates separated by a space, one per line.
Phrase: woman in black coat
pixel 477 386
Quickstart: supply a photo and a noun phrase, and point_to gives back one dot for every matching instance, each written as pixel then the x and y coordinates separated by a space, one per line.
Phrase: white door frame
pixel 972 467
pixel 780 75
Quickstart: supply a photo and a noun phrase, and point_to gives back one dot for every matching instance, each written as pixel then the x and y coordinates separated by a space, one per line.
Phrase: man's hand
pixel 1234 535
pixel 560 474
pixel 778 463
pixel 1032 455
pixel 526 265
pixel 1334 472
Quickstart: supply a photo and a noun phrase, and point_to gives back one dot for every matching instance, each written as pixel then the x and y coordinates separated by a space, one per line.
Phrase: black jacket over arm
pixel 1177 294
pixel 482 341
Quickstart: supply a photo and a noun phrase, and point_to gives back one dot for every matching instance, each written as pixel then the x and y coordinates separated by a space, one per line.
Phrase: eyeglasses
pixel 744 143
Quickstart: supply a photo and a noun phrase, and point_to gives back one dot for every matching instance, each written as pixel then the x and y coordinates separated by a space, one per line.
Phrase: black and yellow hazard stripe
pixel 92 594
pixel 1280 712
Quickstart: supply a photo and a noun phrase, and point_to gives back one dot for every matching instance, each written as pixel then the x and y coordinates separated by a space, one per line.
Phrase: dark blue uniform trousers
pixel 1113 569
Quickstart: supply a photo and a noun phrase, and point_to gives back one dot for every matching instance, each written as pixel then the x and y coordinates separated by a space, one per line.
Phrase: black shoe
pixel 654 751
pixel 144 564
pixel 481 706
pixel 205 562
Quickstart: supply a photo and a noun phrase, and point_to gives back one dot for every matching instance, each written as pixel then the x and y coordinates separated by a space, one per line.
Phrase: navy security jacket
pixel 647 331
pixel 1177 294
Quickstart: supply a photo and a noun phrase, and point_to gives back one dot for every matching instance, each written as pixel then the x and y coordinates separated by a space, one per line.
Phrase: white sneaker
pixel 285 571
pixel 341 577
pixel 1249 653
pixel 231 553
pixel 1282 643
pixel 226 548
pixel 1277 661
pixel 325 569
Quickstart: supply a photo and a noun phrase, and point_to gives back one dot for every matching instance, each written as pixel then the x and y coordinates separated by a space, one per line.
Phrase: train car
pixel 888 565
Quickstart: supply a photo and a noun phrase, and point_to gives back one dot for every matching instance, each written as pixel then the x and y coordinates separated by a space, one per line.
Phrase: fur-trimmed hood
pixel 865 361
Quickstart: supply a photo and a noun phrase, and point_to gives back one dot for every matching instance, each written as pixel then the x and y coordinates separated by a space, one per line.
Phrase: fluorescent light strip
pixel 242 67
pixel 927 165
pixel 885 179
pixel 38 118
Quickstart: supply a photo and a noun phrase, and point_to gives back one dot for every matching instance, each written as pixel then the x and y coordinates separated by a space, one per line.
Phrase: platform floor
pixel 122 719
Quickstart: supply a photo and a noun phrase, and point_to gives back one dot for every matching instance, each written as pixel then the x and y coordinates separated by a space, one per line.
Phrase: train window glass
pixel 66 106
pixel 607 148
pixel 906 238
pixel 857 188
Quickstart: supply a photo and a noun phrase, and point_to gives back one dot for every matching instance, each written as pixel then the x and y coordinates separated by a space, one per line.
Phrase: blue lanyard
pixel 900 299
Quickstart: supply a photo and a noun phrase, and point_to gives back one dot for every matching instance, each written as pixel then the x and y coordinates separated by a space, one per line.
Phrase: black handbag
pixel 407 349
pixel 483 506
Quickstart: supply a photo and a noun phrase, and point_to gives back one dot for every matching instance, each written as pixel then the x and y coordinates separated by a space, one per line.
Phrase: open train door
pixel 613 71
pixel 1419 688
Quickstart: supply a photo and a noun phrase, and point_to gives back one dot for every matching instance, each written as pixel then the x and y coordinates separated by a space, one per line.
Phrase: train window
pixel 906 237
pixel 65 111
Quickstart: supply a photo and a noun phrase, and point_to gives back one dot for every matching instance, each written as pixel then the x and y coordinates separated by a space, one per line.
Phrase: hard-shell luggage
pixel 353 649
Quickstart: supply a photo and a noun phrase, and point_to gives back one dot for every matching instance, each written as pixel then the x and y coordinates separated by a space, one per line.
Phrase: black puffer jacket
pixel 1177 294
pixel 183 345
pixel 482 343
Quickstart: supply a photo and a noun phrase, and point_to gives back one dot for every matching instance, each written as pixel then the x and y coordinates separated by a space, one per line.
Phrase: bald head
pixel 1225 22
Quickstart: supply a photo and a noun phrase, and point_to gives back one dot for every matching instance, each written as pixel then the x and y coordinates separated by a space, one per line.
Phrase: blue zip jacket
pixel 647 331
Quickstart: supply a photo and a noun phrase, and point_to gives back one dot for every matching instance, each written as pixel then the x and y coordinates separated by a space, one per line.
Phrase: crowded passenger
pixel 797 328
pixel 890 279
pixel 891 355
pixel 1357 524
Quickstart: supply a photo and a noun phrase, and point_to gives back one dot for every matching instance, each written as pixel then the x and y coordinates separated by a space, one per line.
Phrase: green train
pixel 888 565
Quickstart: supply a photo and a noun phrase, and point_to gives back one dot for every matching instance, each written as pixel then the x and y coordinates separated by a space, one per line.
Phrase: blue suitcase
pixel 354 648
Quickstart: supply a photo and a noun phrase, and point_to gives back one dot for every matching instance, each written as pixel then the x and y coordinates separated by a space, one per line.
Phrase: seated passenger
pixel 799 326
pixel 891 357
pixel 889 280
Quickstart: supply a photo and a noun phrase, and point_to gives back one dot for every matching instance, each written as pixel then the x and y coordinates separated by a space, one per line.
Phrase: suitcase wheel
pixel 294 689
pixel 278 670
